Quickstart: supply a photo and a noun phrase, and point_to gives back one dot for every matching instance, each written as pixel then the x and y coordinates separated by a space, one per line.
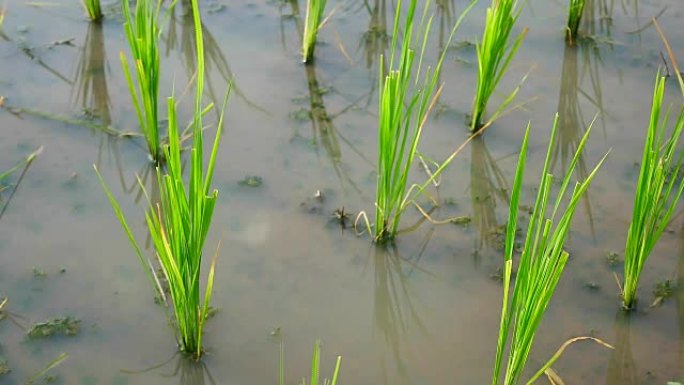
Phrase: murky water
pixel 424 312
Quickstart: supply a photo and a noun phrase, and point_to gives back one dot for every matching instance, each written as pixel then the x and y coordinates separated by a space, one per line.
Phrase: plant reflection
pixel 214 59
pixel 621 367
pixel 90 90
pixel 394 306
pixel 192 372
pixel 572 122
pixel 188 370
pixel 323 130
pixel 488 185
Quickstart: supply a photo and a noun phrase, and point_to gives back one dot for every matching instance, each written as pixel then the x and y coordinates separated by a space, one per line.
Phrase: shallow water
pixel 424 312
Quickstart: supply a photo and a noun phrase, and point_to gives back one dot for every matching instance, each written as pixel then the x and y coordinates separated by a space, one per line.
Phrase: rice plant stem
pixel 575 11
pixel 93 9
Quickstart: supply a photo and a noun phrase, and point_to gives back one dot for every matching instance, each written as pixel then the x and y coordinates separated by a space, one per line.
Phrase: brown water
pixel 424 312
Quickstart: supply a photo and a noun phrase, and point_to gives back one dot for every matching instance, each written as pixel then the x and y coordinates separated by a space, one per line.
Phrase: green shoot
pixel 315 367
pixel 25 162
pixel 93 9
pixel 657 192
pixel 179 224
pixel 494 55
pixel 408 93
pixel 575 11
pixel 23 165
pixel 542 261
pixel 142 32
pixel 314 13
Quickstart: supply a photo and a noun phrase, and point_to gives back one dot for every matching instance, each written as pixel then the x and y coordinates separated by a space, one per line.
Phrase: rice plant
pixel 312 23
pixel 180 222
pixel 408 93
pixel 142 32
pixel 541 263
pixel 657 191
pixel 494 55
pixel 575 11
pixel 93 9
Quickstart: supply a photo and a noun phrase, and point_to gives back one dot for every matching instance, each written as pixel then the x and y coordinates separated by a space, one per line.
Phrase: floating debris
pixel 592 286
pixel 341 216
pixel 38 273
pixel 462 220
pixel 251 181
pixel 661 292
pixel 67 326
pixel 3 302
pixel 4 367
pixel 301 115
pixel 612 258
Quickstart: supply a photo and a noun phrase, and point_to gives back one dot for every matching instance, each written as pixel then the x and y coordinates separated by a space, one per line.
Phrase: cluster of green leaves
pixel 142 31
pixel 575 11
pixel 542 260
pixel 312 23
pixel 93 9
pixel 408 92
pixel 494 55
pixel 179 223
pixel 657 193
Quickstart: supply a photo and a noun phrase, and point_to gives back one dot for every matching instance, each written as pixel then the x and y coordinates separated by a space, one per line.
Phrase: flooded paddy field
pixel 299 148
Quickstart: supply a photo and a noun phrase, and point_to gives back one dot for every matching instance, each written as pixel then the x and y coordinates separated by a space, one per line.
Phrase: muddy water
pixel 423 312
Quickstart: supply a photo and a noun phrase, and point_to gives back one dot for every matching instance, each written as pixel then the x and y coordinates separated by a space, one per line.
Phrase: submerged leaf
pixel 66 326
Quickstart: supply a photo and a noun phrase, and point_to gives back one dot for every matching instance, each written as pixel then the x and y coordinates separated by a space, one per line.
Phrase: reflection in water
pixel 445 19
pixel 375 39
pixel 188 371
pixel 487 185
pixel 33 55
pixel 324 130
pixel 394 310
pixel 598 17
pixel 295 15
pixel 89 90
pixel 214 60
pixel 374 42
pixel 621 367
pixel 192 372
pixel 572 122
